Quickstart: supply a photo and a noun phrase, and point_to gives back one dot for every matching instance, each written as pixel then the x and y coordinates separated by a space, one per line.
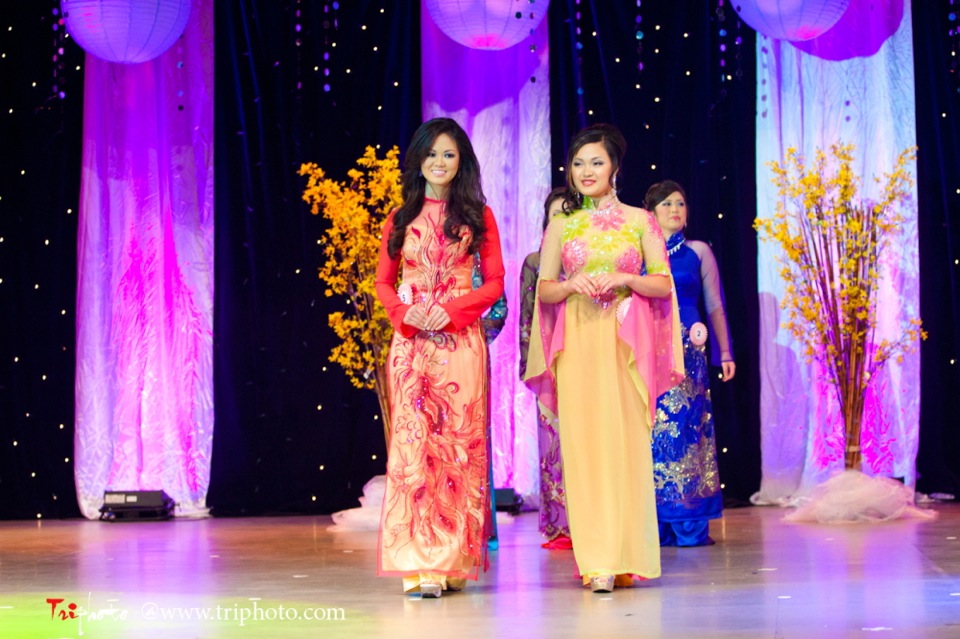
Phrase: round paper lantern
pixel 128 31
pixel 795 20
pixel 488 24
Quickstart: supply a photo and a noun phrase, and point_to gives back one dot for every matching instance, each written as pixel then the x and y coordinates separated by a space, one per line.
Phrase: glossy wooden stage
pixel 251 577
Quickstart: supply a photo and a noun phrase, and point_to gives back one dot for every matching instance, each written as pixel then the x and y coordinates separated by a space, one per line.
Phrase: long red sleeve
pixel 388 270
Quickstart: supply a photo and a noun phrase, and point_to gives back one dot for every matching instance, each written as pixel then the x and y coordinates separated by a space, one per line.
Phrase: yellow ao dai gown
pixel 602 362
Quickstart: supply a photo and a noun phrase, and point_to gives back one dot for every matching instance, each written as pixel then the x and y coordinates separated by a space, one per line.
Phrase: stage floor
pixel 291 577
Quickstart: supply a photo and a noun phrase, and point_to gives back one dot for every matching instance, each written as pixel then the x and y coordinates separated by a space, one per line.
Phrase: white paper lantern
pixel 128 31
pixel 795 20
pixel 488 24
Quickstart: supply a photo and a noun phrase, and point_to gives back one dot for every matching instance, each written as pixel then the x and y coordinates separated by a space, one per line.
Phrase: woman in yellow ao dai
pixel 605 344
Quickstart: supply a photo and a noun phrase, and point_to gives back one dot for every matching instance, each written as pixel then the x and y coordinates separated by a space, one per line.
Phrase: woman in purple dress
pixel 553 508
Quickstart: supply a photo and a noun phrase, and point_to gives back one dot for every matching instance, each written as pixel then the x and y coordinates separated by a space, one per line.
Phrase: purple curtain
pixel 502 99
pixel 144 379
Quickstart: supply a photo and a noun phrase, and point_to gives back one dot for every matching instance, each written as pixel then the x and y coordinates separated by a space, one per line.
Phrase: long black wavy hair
pixel 660 191
pixel 615 145
pixel 465 199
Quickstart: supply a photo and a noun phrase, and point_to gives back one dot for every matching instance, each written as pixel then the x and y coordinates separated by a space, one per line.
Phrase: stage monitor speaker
pixel 507 499
pixel 136 505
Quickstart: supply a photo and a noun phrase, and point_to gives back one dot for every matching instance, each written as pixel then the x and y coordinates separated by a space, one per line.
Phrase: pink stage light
pixel 795 20
pixel 126 31
pixel 487 24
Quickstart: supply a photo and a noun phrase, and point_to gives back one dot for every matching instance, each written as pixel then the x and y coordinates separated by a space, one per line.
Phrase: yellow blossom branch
pixel 356 210
pixel 831 243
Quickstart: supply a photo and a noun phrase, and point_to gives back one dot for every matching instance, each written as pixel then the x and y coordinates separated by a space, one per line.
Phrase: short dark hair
pixel 558 193
pixel 660 191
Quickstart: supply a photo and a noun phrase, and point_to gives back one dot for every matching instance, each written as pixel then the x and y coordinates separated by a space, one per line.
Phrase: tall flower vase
pixel 355 211
pixel 852 410
pixel 855 494
pixel 832 239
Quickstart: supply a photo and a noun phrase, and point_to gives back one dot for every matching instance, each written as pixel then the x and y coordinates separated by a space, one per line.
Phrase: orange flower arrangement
pixel 351 244
pixel 832 241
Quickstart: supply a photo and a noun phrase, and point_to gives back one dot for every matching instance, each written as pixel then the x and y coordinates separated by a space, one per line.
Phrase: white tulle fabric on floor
pixel 367 516
pixel 853 497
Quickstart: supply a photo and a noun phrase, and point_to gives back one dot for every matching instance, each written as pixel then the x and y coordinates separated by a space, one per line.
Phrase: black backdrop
pixel 271 336
pixel 40 142
pixel 686 122
pixel 291 435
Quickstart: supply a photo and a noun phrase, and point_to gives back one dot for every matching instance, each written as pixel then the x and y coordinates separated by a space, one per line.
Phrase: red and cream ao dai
pixel 437 494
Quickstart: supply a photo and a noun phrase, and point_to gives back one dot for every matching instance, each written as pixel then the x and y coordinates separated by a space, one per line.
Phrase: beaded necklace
pixel 674 243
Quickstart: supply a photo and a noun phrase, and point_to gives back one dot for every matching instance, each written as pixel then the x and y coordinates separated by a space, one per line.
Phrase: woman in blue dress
pixel 684 447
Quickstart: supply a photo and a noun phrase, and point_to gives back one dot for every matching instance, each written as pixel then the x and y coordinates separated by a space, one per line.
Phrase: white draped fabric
pixel 854 85
pixel 144 377
pixel 502 100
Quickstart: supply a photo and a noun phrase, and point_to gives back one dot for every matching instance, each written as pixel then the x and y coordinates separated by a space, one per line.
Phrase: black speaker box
pixel 507 499
pixel 136 505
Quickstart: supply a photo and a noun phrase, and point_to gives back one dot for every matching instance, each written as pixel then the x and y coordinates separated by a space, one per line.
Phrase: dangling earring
pixel 613 187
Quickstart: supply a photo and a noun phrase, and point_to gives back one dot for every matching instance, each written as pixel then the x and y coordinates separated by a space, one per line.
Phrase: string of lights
pixel 638 34
pixel 578 51
pixel 331 24
pixel 954 33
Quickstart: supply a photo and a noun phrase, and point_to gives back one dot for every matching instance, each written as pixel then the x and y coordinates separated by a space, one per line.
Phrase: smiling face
pixel 671 213
pixel 592 171
pixel 440 166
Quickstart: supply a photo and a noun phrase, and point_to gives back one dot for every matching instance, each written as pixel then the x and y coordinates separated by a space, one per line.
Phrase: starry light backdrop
pixel 318 81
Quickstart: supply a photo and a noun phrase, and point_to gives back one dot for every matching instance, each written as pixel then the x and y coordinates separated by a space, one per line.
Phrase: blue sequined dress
pixel 684 447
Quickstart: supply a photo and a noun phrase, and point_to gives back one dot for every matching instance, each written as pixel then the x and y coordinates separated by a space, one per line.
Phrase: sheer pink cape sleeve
pixel 547 327
pixel 651 326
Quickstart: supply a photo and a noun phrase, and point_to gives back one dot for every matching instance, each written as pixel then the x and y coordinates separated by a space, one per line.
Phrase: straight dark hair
pixel 465 199
pixel 613 142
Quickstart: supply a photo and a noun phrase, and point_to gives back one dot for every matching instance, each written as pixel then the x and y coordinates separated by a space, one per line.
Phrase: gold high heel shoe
pixel 602 583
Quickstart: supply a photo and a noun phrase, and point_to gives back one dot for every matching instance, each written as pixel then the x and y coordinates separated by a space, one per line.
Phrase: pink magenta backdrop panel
pixel 853 84
pixel 502 99
pixel 144 379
